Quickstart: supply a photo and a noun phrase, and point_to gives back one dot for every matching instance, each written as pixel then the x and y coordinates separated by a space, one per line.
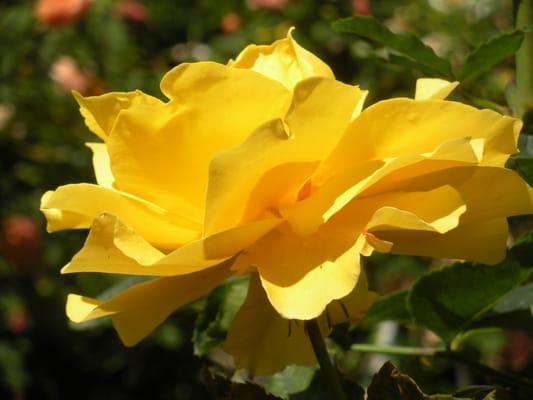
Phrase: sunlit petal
pixel 284 61
pixel 114 248
pixel 433 88
pixel 137 311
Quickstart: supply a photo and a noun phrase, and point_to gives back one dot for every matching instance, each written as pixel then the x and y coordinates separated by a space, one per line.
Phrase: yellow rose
pixel 269 166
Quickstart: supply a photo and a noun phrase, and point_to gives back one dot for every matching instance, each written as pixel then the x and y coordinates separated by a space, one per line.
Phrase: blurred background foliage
pixel 51 47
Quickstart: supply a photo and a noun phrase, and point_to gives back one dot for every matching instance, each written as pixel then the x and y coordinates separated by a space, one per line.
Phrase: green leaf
pixel 525 145
pixel 447 301
pixel 490 53
pixel 293 379
pixel 512 320
pixel 512 312
pixel 215 319
pixel 392 307
pixel 405 44
pixel 524 166
pixel 409 64
pixel 521 250
pixel 519 299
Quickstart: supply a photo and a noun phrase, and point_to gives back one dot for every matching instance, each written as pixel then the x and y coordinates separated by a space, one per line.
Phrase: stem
pixel 396 350
pixel 501 376
pixel 326 367
pixel 524 56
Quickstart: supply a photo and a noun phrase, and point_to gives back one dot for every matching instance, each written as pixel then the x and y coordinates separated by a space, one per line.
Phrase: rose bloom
pixel 270 166
pixel 230 22
pixel 21 243
pixel 68 75
pixel 60 12
pixel 361 7
pixel 132 10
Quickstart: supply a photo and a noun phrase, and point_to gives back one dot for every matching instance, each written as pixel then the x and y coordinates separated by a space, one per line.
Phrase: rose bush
pixel 270 166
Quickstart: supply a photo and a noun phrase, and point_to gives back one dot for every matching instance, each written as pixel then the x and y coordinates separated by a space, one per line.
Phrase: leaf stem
pixel 524 57
pixel 396 350
pixel 326 367
pixel 501 376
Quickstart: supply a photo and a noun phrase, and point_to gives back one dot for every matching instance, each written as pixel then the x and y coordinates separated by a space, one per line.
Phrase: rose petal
pixel 76 206
pixel 114 248
pixel 303 275
pixel 101 164
pixel 100 112
pixel 162 153
pixel 433 88
pixel 401 127
pixel 137 311
pixel 279 157
pixel 262 341
pixel 284 61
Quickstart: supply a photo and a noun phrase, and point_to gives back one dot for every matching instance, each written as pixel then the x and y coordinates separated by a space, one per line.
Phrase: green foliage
pixel 447 302
pixel 408 45
pixel 486 56
pixel 524 166
pixel 410 53
pixel 293 379
pixel 220 309
pixel 519 299
pixel 391 307
pixel 513 312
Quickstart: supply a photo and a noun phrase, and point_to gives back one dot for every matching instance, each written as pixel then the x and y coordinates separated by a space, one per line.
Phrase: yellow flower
pixel 269 166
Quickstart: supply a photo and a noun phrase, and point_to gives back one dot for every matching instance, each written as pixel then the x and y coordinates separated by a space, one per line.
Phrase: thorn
pixel 344 309
pixel 290 328
pixel 328 318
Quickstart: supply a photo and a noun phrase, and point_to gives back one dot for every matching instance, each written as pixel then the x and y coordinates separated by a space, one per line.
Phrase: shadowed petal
pixel 101 164
pixel 481 241
pixel 262 341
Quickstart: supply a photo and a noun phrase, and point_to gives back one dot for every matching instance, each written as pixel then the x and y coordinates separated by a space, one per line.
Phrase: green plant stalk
pixel 396 350
pixel 501 376
pixel 524 57
pixel 326 367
